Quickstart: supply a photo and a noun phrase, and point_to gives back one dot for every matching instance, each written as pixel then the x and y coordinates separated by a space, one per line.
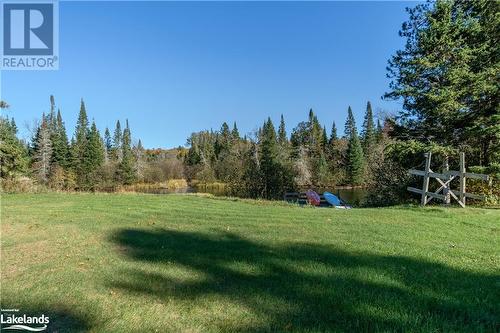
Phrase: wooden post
pixel 462 178
pixel 448 176
pixel 425 187
pixel 446 189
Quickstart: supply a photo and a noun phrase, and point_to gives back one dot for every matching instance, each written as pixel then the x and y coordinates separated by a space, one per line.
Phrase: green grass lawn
pixel 181 263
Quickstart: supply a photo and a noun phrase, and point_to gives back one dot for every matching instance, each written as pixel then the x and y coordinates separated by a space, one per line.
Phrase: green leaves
pixel 447 76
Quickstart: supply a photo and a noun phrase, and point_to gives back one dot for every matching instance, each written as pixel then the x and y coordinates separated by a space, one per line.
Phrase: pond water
pixel 353 196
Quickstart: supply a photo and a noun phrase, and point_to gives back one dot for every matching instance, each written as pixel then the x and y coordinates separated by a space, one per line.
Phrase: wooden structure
pixel 444 179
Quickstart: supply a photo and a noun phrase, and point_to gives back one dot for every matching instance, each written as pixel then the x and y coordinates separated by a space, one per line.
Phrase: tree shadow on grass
pixel 307 287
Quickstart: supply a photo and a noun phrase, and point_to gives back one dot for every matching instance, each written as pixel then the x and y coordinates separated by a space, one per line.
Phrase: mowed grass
pixel 185 263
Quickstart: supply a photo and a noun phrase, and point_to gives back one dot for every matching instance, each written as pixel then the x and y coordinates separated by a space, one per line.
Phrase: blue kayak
pixel 332 199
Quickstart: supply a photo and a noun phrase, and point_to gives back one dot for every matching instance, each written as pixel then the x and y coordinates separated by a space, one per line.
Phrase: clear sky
pixel 173 68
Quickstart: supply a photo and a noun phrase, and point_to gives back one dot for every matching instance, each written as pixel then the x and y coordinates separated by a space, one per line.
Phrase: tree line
pixel 268 163
pixel 447 79
pixel 88 162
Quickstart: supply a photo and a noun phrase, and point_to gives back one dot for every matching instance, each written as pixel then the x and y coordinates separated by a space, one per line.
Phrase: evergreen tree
pixel 282 138
pixel 350 124
pixel 43 153
pixel 311 116
pixel 224 140
pixel 13 125
pixel 96 147
pixel 316 136
pixel 252 176
pixel 126 173
pixel 333 134
pixel 336 157
pixel 80 148
pixel 268 161
pixel 355 158
pixel 36 136
pixel 355 167
pixel 82 125
pixel 324 139
pixel 117 143
pixel 94 156
pixel 139 160
pixel 447 77
pixel 286 170
pixel 235 134
pixel 323 176
pixel 73 156
pixel 60 145
pixel 300 137
pixel 223 146
pixel 108 143
pixel 13 154
pixel 331 152
pixel 368 132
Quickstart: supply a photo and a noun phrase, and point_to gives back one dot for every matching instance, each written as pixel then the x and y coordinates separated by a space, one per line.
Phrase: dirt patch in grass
pixel 19 258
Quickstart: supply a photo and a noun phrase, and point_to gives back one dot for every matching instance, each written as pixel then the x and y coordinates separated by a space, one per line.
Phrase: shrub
pixel 57 178
pixel 389 184
pixel 491 189
pixel 21 185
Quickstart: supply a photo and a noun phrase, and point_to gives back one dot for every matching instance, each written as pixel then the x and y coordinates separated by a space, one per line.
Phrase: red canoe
pixel 313 198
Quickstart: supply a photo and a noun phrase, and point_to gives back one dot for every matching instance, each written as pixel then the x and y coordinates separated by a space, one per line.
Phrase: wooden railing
pixel 444 179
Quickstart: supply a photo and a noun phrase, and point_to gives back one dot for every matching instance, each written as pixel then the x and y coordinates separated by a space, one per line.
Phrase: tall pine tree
pixel 108 143
pixel 316 136
pixel 43 153
pixel 355 158
pixel 333 134
pixel 324 139
pixel 350 124
pixel 59 138
pixel 368 134
pixel 235 134
pixel 80 149
pixel 94 156
pixel 13 153
pixel 252 184
pixel 140 163
pixel 282 138
pixel 224 141
pixel 125 171
pixel 117 153
pixel 269 161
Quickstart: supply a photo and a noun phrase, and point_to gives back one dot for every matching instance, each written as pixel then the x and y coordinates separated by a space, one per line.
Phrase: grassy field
pixel 182 263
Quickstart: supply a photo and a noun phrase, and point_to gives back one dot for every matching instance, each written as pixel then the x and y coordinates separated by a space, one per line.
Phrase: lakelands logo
pixel 30 35
pixel 12 320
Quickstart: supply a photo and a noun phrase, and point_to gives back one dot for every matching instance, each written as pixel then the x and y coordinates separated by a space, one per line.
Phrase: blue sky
pixel 173 68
